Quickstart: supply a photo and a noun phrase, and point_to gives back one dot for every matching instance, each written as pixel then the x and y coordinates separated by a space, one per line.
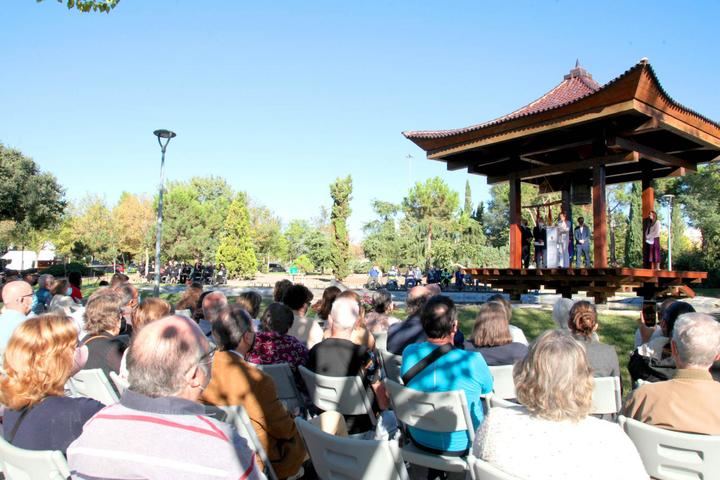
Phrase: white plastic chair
pixel 503 382
pixel 391 364
pixel 482 470
pixel 238 417
pixel 606 399
pixel 20 464
pixel 670 455
pixel 92 384
pixel 120 383
pixel 497 402
pixel 380 340
pixel 287 390
pixel 346 458
pixel 440 412
pixel 345 395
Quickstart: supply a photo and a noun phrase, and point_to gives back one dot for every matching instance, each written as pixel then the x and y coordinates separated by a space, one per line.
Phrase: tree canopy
pixel 89 5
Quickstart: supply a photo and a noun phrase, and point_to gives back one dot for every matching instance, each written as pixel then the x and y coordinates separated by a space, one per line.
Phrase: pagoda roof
pixel 575 121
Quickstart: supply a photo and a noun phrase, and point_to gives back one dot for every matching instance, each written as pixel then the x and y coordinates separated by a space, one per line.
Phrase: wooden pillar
pixel 515 217
pixel 648 197
pixel 599 218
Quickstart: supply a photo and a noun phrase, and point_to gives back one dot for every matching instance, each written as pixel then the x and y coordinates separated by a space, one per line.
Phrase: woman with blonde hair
pixel 491 337
pixel 554 386
pixel 583 324
pixel 40 357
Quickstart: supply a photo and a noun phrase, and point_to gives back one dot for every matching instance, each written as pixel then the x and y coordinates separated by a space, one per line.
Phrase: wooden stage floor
pixel 599 283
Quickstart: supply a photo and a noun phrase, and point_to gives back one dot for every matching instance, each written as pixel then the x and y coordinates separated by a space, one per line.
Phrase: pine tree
pixel 341 193
pixel 479 214
pixel 634 235
pixel 236 247
pixel 467 210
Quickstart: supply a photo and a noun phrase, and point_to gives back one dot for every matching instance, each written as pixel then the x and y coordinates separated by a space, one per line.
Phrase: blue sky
pixel 280 98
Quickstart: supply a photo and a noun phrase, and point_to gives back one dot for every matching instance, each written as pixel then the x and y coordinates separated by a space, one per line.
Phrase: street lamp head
pixel 164 134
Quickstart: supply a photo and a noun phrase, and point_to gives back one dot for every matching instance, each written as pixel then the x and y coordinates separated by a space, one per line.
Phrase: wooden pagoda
pixel 581 136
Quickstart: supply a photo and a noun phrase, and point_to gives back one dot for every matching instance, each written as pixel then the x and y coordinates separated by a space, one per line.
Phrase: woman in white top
pixel 651 250
pixel 551 436
pixel 563 240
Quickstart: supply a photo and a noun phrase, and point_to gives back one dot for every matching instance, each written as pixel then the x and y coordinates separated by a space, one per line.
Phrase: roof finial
pixel 577 72
pixel 577 63
pixel 644 61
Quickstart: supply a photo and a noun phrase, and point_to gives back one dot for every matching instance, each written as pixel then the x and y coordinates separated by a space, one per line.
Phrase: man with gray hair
pixel 688 402
pixel 338 356
pixel 213 304
pixel 158 429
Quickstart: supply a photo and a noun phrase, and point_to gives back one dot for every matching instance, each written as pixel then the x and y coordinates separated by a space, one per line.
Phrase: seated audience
pixel 517 334
pixel 236 382
pixel 339 356
pixel 118 279
pixel 688 402
pixel 41 299
pixel 281 286
pixel 75 281
pixel 298 298
pixel 411 331
pixel 251 302
pixel 379 318
pixel 61 300
pixel 158 429
pixel 129 301
pixel 273 344
pixel 212 304
pixel 653 361
pixel 190 300
pixel 40 357
pixel 149 310
pixel 17 302
pixel 644 332
pixel 554 387
pixel 456 369
pixel 103 317
pixel 561 312
pixel 491 337
pixel 324 305
pixel 360 335
pixel 583 324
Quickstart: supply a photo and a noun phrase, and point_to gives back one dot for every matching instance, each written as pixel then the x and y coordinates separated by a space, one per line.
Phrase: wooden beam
pixel 651 125
pixel 677 126
pixel 515 234
pixel 599 218
pixel 561 168
pixel 652 154
pixel 560 146
pixel 527 159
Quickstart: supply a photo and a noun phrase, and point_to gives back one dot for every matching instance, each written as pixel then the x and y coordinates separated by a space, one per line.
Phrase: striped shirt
pixel 159 438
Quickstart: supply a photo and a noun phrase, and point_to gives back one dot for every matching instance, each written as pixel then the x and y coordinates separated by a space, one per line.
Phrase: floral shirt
pixel 272 347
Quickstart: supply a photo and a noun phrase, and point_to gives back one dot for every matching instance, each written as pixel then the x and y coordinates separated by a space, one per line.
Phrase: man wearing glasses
pixel 17 298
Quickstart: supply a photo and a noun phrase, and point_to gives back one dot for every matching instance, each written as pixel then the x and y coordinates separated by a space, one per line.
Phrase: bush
pixel 696 261
pixel 304 264
pixel 61 270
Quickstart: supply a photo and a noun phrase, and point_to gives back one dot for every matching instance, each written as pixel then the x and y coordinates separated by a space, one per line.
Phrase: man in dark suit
pixel 540 235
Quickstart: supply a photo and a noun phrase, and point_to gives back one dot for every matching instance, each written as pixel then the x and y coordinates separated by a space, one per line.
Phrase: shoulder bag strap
pixel 427 360
pixel 11 435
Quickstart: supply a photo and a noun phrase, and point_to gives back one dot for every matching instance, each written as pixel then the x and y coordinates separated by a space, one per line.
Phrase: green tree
pixel 91 231
pixel 496 221
pixel 89 5
pixel 236 248
pixel 632 256
pixel 341 193
pixel 479 214
pixel 467 209
pixel 266 235
pixel 430 206
pixel 381 244
pixel 304 239
pixel 134 220
pixel 30 198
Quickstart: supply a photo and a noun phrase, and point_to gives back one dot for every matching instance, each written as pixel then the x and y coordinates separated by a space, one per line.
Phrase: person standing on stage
pixel 651 250
pixel 563 241
pixel 540 236
pixel 582 243
pixel 526 238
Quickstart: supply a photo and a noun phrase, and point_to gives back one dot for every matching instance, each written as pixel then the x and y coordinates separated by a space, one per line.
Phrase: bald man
pixel 17 298
pixel 158 429
pixel 402 334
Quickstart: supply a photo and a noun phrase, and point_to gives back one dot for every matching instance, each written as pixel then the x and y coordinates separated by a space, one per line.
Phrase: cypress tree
pixel 634 235
pixel 467 210
pixel 341 193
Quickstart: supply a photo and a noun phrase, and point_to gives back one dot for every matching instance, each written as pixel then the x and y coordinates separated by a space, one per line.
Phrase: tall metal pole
pixel 669 197
pixel 167 135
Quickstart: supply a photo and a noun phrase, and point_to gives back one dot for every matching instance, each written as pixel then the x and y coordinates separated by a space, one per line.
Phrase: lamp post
pixel 669 197
pixel 161 135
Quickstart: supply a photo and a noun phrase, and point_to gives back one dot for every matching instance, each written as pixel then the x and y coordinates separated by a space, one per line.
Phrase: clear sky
pixel 280 98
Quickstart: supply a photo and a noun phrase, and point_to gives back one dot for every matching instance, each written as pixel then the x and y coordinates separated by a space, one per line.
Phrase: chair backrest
pixel 345 395
pixel 436 411
pixel 285 384
pixel 92 384
pixel 238 417
pixel 380 340
pixel 120 383
pixel 670 455
pixel 346 458
pixel 497 402
pixel 391 364
pixel 503 382
pixel 482 470
pixel 606 399
pixel 20 464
